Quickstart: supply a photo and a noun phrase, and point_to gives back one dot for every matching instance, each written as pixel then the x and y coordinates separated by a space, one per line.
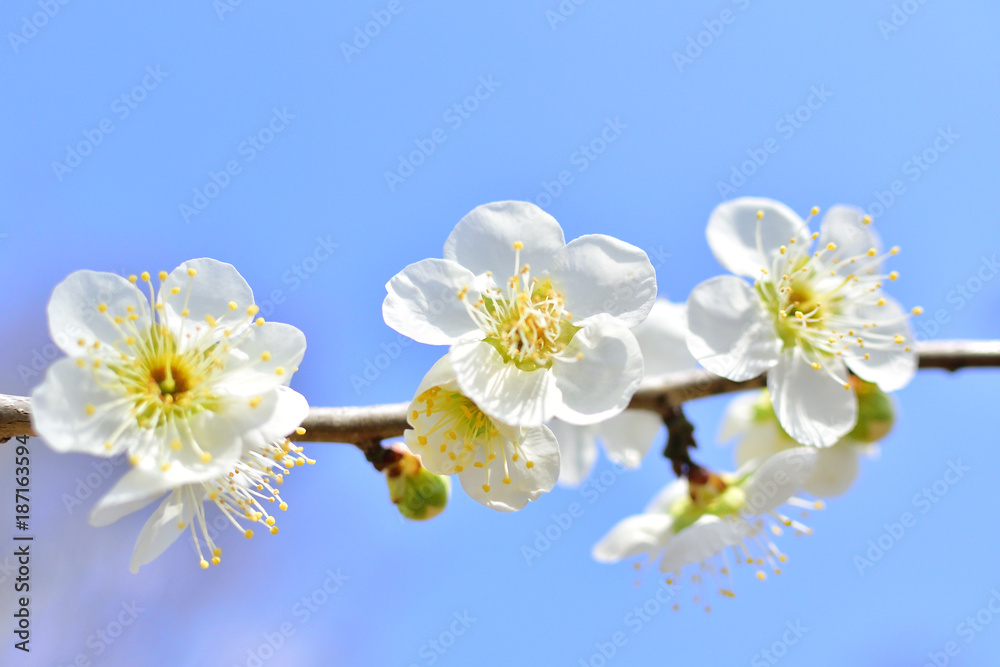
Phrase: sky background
pixel 212 76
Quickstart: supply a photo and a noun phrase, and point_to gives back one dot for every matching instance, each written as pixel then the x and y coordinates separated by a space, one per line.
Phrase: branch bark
pixel 362 426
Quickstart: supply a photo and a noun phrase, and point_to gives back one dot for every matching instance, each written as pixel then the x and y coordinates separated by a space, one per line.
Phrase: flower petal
pixel 761 441
pixel 730 334
pixel 142 485
pixel 844 226
pixel 777 478
pixel 502 390
pixel 73 313
pixel 732 233
pixel 423 302
pixel 267 358
pixel 206 296
pixel 632 536
pixel 168 522
pixel 539 447
pixel 604 371
pixel 600 274
pixel 271 420
pixel 663 339
pixel 893 368
pixel 628 436
pixel 60 407
pixel 577 450
pixel 812 405
pixel 738 418
pixel 836 469
pixel 706 537
pixel 484 239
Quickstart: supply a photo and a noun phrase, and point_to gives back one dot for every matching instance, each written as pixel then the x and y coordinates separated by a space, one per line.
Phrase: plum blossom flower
pixel 551 340
pixel 750 419
pixel 808 317
pixel 628 436
pixel 501 466
pixel 242 495
pixel 186 382
pixel 694 522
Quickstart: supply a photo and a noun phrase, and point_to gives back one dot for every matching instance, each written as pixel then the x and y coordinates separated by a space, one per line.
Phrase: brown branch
pixel 364 425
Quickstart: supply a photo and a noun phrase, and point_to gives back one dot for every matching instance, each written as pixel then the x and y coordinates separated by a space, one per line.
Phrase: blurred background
pixel 322 148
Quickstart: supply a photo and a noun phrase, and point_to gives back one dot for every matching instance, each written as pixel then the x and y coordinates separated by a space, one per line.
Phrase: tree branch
pixel 362 426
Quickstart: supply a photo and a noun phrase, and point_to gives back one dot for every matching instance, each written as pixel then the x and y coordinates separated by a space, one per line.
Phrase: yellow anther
pixel 280 370
pixel 206 457
pixel 761 575
pixel 132 278
pixel 814 210
pixel 529 464
pixel 816 365
pixel 815 235
pixel 255 401
pixel 185 312
pixel 145 276
pixel 880 302
pixel 211 320
pixel 192 273
pixel 867 219
pixel 274 530
pixel 300 431
pixel 102 307
pixel 899 339
pixel 917 310
pixel 90 409
pixel 847 386
pixel 81 362
pixel 783 250
pixel 831 246
pixel 518 245
pixel 506 480
pixel 165 467
pixel 760 215
pixel 871 252
pixel 248 534
pixel 259 321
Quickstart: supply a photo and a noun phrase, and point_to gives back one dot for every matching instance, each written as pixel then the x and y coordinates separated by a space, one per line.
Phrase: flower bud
pixel 876 413
pixel 418 493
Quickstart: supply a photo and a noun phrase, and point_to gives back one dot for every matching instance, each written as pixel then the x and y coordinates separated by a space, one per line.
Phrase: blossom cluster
pixel 547 343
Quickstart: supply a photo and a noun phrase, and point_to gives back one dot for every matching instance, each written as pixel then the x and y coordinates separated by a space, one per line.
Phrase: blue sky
pixel 135 137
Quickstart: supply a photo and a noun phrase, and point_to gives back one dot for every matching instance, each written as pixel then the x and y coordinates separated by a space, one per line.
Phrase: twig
pixel 363 425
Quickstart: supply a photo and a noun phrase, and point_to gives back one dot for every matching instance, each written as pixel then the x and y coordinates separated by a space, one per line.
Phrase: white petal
pixel 423 302
pixel 668 495
pixel 663 339
pixel 162 529
pixel 739 416
pixel 577 450
pixel 540 448
pixel 277 415
pixel 142 485
pixel 893 368
pixel 247 373
pixel 628 436
pixel 73 313
pixel 836 469
pixel 603 372
pixel 777 479
pixel 634 535
pixel 706 537
pixel 732 233
pixel 59 412
pixel 206 295
pixel 484 239
pixel 600 274
pixel 501 390
pixel 843 226
pixel 812 405
pixel 730 334
pixel 761 441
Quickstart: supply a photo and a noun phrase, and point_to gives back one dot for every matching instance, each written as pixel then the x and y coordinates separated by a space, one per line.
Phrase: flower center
pixel 527 322
pixel 448 423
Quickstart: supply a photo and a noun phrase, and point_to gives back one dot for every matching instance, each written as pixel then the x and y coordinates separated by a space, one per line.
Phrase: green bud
pixel 876 413
pixel 418 493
